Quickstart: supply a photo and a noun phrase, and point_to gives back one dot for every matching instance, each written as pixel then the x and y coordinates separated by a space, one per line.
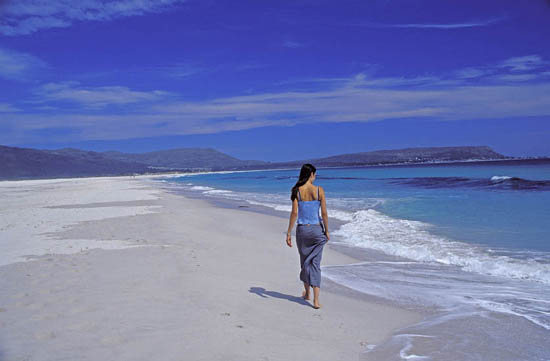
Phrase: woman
pixel 311 232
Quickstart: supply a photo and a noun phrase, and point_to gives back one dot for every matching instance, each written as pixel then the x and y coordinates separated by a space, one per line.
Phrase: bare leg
pixel 316 303
pixel 305 294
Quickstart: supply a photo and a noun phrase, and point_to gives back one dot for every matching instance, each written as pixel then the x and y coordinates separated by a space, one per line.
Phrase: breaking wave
pixel 413 240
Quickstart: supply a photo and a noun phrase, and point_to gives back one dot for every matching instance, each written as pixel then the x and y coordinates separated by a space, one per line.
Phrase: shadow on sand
pixel 262 292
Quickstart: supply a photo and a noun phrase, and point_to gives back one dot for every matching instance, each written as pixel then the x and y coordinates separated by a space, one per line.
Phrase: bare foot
pixel 305 295
pixel 316 305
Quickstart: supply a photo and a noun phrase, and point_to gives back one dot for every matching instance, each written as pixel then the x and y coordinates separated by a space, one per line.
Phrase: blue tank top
pixel 308 211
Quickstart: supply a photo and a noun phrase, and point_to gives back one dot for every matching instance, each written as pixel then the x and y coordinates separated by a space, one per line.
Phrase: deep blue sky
pixel 275 80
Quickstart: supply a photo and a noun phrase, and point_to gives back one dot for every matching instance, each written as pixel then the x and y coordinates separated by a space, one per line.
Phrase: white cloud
pixel 292 44
pixel 351 101
pixel 523 63
pixel 370 81
pixel 20 17
pixel 470 73
pixel 179 70
pixel 361 80
pixel 471 24
pixel 515 77
pixel 8 108
pixel 95 97
pixel 361 98
pixel 515 69
pixel 467 24
pixel 16 65
pixel 356 101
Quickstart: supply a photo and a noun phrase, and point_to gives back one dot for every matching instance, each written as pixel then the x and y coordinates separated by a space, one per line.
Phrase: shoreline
pixel 176 173
pixel 201 272
pixel 449 298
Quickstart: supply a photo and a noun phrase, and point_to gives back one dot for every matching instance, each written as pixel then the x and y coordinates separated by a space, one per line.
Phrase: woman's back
pixel 308 208
pixel 309 193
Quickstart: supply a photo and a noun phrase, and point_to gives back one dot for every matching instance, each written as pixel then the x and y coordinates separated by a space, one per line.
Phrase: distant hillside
pixel 24 163
pixel 184 158
pixel 396 156
pixel 411 155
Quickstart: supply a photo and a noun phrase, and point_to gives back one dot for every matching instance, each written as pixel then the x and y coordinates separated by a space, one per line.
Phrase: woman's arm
pixel 293 216
pixel 324 213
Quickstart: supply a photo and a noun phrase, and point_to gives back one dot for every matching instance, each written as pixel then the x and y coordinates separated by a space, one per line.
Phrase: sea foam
pixel 413 240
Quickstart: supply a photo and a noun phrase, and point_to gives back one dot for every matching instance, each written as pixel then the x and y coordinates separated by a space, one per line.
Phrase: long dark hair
pixel 305 173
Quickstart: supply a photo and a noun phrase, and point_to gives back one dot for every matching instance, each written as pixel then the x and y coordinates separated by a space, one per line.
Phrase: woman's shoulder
pixel 312 187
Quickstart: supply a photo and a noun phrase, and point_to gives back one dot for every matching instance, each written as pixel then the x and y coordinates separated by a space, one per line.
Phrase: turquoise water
pixel 484 212
pixel 470 240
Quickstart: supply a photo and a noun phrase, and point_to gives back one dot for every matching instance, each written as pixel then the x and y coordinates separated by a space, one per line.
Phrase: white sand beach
pixel 122 269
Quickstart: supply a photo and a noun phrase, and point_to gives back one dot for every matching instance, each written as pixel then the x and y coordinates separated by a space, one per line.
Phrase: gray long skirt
pixel 310 241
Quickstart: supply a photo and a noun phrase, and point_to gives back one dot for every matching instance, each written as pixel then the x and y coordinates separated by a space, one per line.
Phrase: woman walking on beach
pixel 311 231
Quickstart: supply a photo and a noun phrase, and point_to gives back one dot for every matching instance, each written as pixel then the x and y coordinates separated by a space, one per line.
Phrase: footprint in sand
pixel 45 335
pixel 35 306
pixel 146 328
pixel 21 295
pixel 83 326
pixel 46 316
pixel 113 340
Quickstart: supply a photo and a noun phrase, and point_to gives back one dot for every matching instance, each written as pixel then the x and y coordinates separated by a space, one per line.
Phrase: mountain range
pixel 27 163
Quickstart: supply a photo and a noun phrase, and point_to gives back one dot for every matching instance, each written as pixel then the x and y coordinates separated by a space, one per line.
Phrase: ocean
pixel 467 244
